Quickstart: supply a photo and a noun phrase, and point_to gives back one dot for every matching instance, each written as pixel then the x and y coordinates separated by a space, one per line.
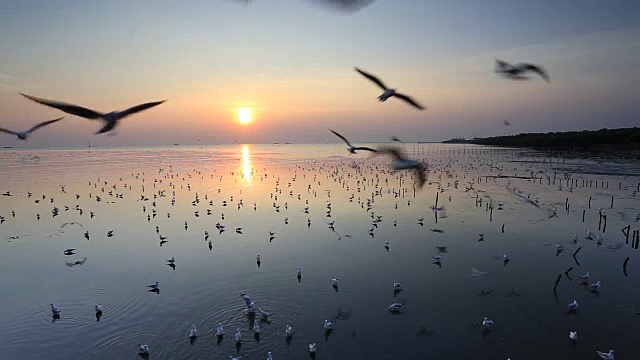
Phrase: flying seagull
pixel 22 135
pixel 343 6
pixel 111 119
pixel 402 162
pixel 389 92
pixel 517 71
pixel 352 149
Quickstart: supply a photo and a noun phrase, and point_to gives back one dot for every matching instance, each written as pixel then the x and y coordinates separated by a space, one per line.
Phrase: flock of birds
pixel 355 179
pixel 400 161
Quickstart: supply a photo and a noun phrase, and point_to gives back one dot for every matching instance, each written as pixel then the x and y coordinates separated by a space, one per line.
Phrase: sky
pixel 292 64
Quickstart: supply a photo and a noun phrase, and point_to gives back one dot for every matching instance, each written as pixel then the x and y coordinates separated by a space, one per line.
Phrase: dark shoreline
pixel 623 139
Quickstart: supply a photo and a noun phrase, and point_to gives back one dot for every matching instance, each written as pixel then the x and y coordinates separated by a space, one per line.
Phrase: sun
pixel 245 116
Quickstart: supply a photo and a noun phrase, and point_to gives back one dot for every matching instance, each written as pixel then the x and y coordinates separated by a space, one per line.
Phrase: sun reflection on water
pixel 246 163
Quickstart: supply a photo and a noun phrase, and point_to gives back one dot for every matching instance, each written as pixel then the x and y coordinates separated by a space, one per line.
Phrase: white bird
pixel 111 119
pixel 596 286
pixel 98 308
pixel 154 286
pixel 402 162
pixel 256 327
pixel 607 356
pixel 573 335
pixel 288 330
pixel 586 276
pixel 69 251
pixel 352 149
pixel 258 258
pixel 22 135
pixel 516 71
pixel 298 271
pixel 143 349
pixel 389 92
pixel 573 305
pixel 559 246
pixel 246 299
pixel 575 238
pixel 386 243
pixel 312 348
pixel 235 358
pixel 54 309
pixel 395 307
pixel 397 284
pixel 505 256
pixel 238 336
pixel 269 356
pixel 328 325
pixel 487 323
pixel 193 332
pixel 172 260
pixel 335 281
pixel 437 258
pixel 219 330
pixel 264 314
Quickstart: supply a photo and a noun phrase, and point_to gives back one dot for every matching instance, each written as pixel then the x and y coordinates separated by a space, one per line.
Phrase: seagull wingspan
pixel 538 70
pixel 408 100
pixel 372 78
pixel 364 148
pixel 138 108
pixel 68 108
pixel 501 63
pixel 341 137
pixel 44 123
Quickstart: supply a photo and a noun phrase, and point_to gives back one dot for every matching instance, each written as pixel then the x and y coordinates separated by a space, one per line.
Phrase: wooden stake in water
pixel 625 231
pixel 624 266
pixel 583 213
pixel 612 202
pixel 589 202
pixel 557 281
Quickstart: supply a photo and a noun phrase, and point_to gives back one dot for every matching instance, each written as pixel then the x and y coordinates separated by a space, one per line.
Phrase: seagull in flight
pixel 352 149
pixel 111 119
pixel 517 71
pixel 22 135
pixel 389 92
pixel 402 162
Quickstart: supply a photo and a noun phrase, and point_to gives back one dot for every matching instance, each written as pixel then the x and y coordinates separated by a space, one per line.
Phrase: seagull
pixel 573 335
pixel 54 310
pixel 328 325
pixel 288 330
pixel 246 298
pixel 607 356
pixel 573 305
pixel 487 323
pixel 98 308
pixel 586 276
pixel 219 330
pixel 22 135
pixel 397 284
pixel 596 286
pixel 559 247
pixel 269 356
pixel 516 71
pixel 193 333
pixel 143 349
pixel 335 281
pixel 395 307
pixel 312 348
pixel 172 260
pixel 238 336
pixel 352 149
pixel 154 286
pixel 389 92
pixel 111 119
pixel 402 162
pixel 69 251
pixel 256 327
pixel 264 314
pixel 235 358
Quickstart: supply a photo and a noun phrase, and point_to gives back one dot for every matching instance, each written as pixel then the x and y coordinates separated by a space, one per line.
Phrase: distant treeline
pixel 617 138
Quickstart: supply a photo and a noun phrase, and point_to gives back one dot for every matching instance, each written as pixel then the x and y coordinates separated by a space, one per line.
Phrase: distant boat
pixel 176 144
pixel 7 147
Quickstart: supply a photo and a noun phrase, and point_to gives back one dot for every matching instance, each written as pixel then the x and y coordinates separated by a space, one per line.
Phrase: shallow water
pixel 443 304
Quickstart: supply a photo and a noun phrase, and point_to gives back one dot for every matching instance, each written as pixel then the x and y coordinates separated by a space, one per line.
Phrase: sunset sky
pixel 290 64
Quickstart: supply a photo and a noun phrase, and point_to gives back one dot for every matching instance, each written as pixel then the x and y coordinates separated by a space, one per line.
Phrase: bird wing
pixel 538 70
pixel 8 131
pixel 44 123
pixel 341 137
pixel 68 108
pixel 396 153
pixel 138 108
pixel 408 100
pixel 501 63
pixel 421 177
pixel 364 148
pixel 372 78
pixel 343 6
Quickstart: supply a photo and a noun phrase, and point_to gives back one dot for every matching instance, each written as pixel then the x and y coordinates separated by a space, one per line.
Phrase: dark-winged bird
pixel 352 149
pixel 389 92
pixel 22 135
